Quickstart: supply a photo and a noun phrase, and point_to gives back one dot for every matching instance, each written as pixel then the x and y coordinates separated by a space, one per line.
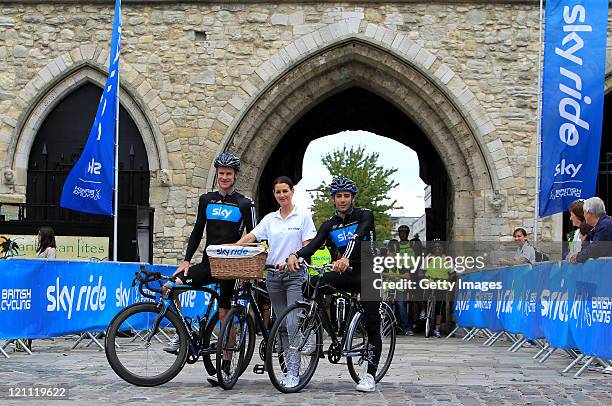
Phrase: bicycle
pixel 430 309
pixel 302 323
pixel 136 335
pixel 237 336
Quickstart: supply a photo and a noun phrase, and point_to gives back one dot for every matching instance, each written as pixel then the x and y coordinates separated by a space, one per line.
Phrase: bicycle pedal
pixel 259 369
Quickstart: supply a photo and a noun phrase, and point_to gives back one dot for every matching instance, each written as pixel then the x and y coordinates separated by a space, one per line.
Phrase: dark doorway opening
pixel 359 109
pixel 604 177
pixel 58 145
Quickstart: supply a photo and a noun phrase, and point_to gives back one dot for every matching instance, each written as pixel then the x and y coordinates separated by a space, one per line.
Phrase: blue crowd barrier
pixel 45 298
pixel 570 305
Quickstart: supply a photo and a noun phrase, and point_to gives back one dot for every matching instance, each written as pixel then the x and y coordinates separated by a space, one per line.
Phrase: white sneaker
pixel 290 381
pixel 310 345
pixel 366 384
pixel 173 345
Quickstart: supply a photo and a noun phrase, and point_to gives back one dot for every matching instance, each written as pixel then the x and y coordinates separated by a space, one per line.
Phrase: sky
pixel 393 154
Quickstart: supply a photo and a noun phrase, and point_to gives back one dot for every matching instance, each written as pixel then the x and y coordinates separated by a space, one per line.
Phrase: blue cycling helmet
pixel 228 160
pixel 342 184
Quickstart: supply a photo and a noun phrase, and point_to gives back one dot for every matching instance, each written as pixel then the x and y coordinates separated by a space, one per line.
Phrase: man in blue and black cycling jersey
pixel 348 229
pixel 225 214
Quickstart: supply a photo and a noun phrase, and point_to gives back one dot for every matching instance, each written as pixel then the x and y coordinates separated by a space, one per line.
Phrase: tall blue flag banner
pixel 89 186
pixel 572 101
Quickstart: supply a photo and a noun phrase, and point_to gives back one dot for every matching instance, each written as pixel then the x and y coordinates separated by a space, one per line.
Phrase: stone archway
pixel 355 62
pixel 63 75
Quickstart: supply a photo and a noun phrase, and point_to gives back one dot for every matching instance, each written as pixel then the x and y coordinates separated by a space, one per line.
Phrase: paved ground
pixel 424 372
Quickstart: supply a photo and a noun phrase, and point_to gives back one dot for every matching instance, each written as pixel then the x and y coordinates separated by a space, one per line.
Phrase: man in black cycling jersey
pixel 225 213
pixel 348 229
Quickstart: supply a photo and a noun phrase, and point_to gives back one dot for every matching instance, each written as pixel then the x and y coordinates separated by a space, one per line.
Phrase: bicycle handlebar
pixel 145 277
pixel 320 269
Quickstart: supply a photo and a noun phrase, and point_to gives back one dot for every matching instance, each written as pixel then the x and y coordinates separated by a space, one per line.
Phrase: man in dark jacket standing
pixel 600 238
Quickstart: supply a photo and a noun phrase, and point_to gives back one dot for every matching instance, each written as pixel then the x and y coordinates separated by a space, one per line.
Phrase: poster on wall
pixel 68 247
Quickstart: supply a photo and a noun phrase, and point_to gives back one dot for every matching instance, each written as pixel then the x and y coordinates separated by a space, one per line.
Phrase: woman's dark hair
pixel 585 228
pixel 283 179
pixel 577 209
pixel 520 230
pixel 47 239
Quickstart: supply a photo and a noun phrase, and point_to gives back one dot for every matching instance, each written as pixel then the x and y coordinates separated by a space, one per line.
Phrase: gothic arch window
pixel 57 146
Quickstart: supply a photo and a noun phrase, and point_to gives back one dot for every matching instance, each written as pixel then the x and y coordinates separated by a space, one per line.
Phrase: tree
pixel 373 181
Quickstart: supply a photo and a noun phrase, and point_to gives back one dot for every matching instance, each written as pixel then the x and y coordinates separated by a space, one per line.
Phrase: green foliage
pixel 373 180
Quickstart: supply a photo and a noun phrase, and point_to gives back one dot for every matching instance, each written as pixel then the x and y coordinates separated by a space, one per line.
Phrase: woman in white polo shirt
pixel 287 230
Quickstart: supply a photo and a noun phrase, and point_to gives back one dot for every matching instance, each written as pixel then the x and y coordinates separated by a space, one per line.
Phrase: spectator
pixel 412 248
pixel 584 231
pixel 525 253
pixel 600 238
pixel 577 217
pixel 400 295
pixel 46 243
pixel 46 249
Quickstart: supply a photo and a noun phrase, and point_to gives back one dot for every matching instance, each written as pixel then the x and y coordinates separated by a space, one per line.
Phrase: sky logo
pixel 341 236
pixel 232 251
pixel 223 212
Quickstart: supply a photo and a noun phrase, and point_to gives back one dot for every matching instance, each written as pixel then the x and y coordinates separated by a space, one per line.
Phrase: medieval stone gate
pixel 201 78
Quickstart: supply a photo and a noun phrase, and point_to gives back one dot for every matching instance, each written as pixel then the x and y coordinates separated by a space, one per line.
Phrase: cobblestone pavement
pixel 424 372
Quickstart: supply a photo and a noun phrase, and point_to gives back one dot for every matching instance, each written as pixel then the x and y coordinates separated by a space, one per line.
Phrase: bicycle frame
pixel 246 294
pixel 317 306
pixel 168 305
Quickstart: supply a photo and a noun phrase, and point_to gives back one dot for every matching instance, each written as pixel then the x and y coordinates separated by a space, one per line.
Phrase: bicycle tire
pixel 247 343
pixel 209 363
pixel 315 326
pixel 111 345
pixel 388 323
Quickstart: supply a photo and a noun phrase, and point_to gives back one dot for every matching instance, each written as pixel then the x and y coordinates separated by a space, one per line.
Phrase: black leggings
pixel 351 282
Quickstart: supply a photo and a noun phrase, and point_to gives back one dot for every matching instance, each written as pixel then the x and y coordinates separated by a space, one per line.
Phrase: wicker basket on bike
pixel 231 261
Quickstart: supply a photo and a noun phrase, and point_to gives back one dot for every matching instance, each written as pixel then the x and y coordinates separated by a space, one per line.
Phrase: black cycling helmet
pixel 342 184
pixel 403 227
pixel 228 160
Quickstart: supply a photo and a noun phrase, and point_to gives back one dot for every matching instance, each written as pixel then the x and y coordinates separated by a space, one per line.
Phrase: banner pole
pixel 538 163
pixel 116 197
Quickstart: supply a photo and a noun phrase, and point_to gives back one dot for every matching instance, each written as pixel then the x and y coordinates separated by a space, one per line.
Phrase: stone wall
pixel 194 70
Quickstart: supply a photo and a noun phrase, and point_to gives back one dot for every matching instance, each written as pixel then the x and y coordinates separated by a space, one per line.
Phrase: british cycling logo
pixel 16 299
pixel 88 297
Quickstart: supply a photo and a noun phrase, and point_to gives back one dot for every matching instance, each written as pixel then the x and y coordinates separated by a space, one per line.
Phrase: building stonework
pixel 202 78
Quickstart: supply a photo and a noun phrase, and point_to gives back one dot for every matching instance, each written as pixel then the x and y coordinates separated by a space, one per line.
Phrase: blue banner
pixel 43 298
pixel 572 101
pixel 89 185
pixel 568 304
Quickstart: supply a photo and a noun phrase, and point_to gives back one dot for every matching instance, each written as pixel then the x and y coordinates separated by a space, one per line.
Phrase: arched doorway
pixel 604 176
pixel 56 148
pixel 356 67
pixel 359 109
pixel 604 180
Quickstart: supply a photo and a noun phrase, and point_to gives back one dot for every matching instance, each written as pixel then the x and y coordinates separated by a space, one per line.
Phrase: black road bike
pixel 236 342
pixel 137 334
pixel 297 338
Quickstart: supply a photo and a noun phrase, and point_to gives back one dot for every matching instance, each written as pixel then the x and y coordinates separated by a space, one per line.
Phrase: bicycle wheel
pixel 134 345
pixel 208 344
pixel 236 338
pixel 293 348
pixel 357 344
pixel 430 315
